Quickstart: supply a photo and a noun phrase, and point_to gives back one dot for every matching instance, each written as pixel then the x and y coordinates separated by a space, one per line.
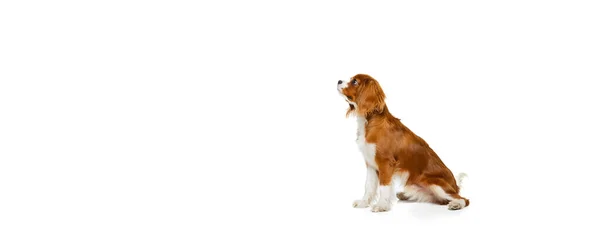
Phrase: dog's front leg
pixel 370 189
pixel 386 189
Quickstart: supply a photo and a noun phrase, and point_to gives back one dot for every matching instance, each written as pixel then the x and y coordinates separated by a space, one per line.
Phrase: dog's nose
pixel 339 82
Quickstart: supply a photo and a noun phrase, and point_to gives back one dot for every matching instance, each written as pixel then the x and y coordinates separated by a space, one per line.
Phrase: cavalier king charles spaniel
pixel 394 154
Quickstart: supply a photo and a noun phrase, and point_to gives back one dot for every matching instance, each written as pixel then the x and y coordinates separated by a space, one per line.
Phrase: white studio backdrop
pixel 221 119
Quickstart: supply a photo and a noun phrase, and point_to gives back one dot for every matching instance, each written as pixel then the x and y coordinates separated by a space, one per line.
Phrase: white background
pixel 187 119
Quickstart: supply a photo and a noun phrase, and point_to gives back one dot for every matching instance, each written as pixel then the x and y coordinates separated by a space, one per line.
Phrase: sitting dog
pixel 391 150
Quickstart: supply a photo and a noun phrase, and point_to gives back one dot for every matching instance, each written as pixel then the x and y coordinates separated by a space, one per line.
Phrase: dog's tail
pixel 460 178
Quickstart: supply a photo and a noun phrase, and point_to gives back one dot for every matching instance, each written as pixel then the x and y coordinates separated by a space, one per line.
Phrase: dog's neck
pixel 377 114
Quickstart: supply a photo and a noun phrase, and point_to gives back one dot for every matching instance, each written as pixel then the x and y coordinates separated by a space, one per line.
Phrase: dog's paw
pixel 381 207
pixel 402 196
pixel 360 204
pixel 456 204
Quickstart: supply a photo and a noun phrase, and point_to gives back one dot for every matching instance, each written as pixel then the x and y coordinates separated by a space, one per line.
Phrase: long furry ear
pixel 370 98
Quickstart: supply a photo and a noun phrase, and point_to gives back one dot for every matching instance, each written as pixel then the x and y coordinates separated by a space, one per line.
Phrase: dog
pixel 393 153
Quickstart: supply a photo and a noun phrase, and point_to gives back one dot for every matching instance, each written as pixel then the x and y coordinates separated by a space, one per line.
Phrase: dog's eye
pixel 354 82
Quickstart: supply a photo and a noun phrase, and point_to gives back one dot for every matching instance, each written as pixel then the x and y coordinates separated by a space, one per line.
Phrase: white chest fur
pixel 367 149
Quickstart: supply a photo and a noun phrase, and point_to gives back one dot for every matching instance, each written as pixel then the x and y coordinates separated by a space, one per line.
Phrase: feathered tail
pixel 459 181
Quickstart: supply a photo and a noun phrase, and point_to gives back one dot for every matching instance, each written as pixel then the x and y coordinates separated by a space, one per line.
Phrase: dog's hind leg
pixel 445 194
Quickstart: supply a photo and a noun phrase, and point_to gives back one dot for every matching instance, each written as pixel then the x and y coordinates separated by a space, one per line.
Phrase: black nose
pixel 339 82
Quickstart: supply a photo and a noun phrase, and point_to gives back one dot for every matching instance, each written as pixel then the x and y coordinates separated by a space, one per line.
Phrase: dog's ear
pixel 370 98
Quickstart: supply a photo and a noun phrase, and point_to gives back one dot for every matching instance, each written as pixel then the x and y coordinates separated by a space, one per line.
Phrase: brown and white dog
pixel 393 153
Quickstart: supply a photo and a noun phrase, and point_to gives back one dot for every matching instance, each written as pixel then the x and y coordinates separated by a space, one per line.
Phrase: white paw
pixel 456 204
pixel 360 204
pixel 381 207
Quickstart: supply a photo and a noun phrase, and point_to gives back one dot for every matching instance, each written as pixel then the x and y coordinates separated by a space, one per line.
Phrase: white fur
pixel 343 85
pixel 418 194
pixel 367 149
pixel 400 179
pixel 370 189
pixel 455 203
pixel 460 179
pixel 340 87
pixel 439 192
pixel 386 197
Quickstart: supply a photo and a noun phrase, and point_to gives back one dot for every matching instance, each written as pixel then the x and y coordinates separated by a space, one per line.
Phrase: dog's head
pixel 363 94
